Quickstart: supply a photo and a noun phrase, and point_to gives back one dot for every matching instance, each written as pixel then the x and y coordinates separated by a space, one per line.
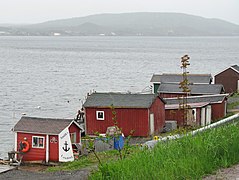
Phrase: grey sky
pixel 35 11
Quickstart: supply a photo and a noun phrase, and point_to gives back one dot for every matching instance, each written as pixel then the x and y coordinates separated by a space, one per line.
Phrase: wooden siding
pixel 218 111
pixel 74 129
pixel 174 95
pixel 39 154
pixel 34 154
pixel 158 108
pixel 128 119
pixel 229 79
pixel 171 95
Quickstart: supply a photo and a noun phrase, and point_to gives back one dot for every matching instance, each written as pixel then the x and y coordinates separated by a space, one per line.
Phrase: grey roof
pixel 120 100
pixel 195 88
pixel 176 78
pixel 218 98
pixel 236 67
pixel 41 125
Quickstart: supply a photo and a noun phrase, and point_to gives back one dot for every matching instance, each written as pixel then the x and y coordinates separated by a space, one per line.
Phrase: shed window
pixel 37 142
pixel 100 115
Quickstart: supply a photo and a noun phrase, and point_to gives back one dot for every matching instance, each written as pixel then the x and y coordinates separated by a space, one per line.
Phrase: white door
pixel 237 85
pixel 203 116
pixel 208 114
pixel 151 124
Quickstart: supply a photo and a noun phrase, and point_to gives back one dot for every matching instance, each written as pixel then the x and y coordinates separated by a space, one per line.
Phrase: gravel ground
pixel 23 174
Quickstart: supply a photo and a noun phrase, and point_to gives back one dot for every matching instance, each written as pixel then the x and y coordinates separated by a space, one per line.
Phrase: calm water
pixel 50 76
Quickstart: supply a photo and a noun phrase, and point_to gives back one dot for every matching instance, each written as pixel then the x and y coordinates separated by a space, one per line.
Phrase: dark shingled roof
pixel 120 100
pixel 218 98
pixel 176 78
pixel 236 67
pixel 195 88
pixel 41 125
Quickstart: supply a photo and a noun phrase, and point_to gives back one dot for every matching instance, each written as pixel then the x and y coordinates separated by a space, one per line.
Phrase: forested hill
pixel 131 24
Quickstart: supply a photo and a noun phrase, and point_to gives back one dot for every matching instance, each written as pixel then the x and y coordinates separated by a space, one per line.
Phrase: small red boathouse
pixel 143 113
pixel 45 139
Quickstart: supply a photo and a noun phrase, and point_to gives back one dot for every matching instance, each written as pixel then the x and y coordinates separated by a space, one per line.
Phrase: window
pixel 37 142
pixel 73 137
pixel 100 115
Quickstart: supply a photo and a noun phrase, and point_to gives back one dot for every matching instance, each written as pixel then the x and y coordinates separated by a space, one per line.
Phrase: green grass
pixel 90 160
pixel 234 101
pixel 186 158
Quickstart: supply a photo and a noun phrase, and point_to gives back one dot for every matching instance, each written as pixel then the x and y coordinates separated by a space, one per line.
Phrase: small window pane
pixel 100 115
pixel 37 142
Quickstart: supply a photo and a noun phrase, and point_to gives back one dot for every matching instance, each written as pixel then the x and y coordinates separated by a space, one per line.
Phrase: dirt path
pixel 38 174
pixel 26 173
pixel 231 173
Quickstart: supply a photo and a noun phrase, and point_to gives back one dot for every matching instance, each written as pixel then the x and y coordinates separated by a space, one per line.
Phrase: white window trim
pixel 101 119
pixel 43 142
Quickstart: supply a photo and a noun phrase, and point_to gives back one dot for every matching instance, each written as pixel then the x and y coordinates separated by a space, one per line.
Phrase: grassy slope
pixel 186 158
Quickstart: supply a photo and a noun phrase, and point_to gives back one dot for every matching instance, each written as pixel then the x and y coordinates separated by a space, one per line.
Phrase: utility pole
pixel 184 85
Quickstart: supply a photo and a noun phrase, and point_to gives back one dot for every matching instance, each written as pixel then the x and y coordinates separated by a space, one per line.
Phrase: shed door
pixel 53 148
pixel 151 124
pixel 203 116
pixel 208 115
pixel 237 85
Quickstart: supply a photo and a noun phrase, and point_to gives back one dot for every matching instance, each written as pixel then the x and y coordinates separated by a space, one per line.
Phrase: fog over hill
pixel 129 24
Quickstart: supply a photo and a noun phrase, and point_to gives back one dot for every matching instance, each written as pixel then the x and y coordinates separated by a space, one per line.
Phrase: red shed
pixel 218 103
pixel 229 78
pixel 45 139
pixel 144 113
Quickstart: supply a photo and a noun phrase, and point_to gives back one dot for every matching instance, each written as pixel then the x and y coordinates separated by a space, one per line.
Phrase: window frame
pixel 100 118
pixel 73 135
pixel 42 137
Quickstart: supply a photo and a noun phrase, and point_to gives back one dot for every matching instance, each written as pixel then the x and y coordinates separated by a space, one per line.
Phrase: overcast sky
pixel 35 11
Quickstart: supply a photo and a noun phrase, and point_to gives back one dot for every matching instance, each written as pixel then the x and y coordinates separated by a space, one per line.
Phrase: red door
pixel 53 148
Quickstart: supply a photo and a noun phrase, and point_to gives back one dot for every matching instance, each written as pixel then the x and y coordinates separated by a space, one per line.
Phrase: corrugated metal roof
pixel 195 88
pixel 120 100
pixel 176 78
pixel 41 125
pixel 198 99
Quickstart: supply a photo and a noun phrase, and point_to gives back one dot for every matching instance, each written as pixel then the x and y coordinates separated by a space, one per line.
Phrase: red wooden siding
pixel 158 108
pixel 128 119
pixel 34 154
pixel 74 129
pixel 229 79
pixel 174 95
pixel 170 95
pixel 218 110
pixel 39 154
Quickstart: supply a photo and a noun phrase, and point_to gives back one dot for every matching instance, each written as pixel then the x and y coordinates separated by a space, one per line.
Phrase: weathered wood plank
pixel 5 168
